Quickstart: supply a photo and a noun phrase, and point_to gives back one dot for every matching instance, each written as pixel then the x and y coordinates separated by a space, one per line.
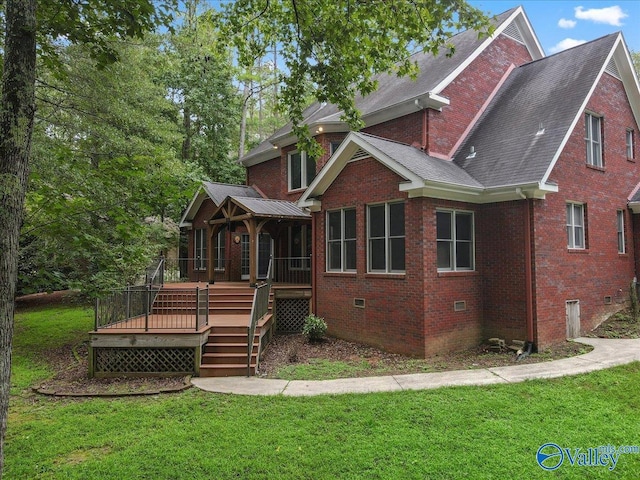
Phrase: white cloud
pixel 564 23
pixel 566 43
pixel 608 15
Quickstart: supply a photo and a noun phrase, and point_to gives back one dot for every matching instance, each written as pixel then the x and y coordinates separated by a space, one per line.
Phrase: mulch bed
pixel 295 349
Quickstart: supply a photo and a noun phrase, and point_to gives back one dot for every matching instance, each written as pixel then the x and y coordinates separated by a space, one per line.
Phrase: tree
pixel 92 23
pixel 200 80
pixel 333 50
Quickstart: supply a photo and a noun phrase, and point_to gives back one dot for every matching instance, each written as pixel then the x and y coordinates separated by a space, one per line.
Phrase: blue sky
pixel 560 24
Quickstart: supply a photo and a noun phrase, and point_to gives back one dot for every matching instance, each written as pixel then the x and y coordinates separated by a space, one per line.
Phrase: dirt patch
pixel 619 325
pixel 286 351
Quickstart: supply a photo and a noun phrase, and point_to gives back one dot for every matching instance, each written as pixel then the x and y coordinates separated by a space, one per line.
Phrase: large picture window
pixel 302 170
pixel 341 240
pixel 593 139
pixel 455 239
pixel 575 226
pixel 200 249
pixel 386 238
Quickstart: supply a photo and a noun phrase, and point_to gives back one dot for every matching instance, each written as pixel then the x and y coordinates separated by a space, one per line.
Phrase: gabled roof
pixel 237 209
pixel 522 133
pixel 398 96
pixel 217 192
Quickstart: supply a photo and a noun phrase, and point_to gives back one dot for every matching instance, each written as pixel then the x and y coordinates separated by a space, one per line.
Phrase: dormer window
pixel 301 170
pixel 593 140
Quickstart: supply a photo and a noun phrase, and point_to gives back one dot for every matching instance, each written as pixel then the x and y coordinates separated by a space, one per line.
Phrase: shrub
pixel 314 328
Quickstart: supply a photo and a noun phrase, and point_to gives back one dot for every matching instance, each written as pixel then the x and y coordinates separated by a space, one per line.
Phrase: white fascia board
pixel 628 75
pixel 529 35
pixel 193 207
pixel 261 157
pixel 462 193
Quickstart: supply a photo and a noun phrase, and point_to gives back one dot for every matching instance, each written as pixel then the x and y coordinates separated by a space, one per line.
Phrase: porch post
pixel 253 252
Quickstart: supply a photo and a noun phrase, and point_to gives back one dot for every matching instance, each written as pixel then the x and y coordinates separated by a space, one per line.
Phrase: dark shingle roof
pixel 547 93
pixel 218 192
pixel 419 163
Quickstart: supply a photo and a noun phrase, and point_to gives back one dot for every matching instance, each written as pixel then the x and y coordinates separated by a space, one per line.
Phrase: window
pixel 220 247
pixel 341 240
pixel 333 146
pixel 575 225
pixel 200 249
pixel 302 170
pixel 592 138
pixel 630 144
pixel 621 242
pixel 455 240
pixel 300 247
pixel 385 236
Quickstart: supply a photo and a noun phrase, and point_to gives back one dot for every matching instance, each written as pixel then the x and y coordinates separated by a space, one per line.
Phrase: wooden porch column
pixel 253 251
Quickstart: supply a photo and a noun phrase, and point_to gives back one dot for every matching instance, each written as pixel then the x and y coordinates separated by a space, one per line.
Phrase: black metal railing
pixel 295 270
pixel 259 309
pixel 154 274
pixel 147 307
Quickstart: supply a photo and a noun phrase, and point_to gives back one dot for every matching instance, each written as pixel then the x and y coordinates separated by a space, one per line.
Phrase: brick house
pixel 494 196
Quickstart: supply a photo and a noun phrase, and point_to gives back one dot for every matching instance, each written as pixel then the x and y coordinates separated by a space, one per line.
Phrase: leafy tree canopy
pixel 333 50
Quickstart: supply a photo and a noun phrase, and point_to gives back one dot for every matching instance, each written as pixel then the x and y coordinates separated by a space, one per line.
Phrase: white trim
pixel 193 207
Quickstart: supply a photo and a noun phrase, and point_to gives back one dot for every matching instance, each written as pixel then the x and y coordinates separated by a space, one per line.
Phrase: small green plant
pixel 314 328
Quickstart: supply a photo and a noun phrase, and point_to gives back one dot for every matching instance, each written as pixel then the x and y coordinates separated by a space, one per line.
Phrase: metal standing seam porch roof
pixel 263 208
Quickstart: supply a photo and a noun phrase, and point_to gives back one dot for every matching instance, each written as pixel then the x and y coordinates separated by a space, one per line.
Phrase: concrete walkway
pixel 606 353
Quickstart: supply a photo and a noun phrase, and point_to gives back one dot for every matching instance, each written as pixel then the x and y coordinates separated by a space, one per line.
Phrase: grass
pixel 450 433
pixel 323 369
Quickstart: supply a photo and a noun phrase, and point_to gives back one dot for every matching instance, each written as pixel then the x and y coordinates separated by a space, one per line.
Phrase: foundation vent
pixel 459 306
pixel 358 302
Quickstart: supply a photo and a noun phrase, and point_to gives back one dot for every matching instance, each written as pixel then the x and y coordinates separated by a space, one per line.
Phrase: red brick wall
pixel 407 129
pixel 270 177
pixel 470 90
pixel 591 274
pixel 393 315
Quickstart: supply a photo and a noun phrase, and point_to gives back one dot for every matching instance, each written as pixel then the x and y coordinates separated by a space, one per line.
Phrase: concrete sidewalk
pixel 606 353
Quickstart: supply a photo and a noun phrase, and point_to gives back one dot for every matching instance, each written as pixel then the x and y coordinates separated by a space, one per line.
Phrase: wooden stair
pixel 225 353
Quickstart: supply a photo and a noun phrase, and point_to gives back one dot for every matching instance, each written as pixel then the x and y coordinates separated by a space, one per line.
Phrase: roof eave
pixel 478 195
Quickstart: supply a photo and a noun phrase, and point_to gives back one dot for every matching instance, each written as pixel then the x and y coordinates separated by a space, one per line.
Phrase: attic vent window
pixel 612 69
pixel 512 31
pixel 359 155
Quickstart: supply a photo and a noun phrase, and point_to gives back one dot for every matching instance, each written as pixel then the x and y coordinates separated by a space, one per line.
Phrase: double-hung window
pixel 629 142
pixel 455 239
pixel 385 238
pixel 341 240
pixel 593 139
pixel 200 249
pixel 302 170
pixel 575 226
pixel 620 227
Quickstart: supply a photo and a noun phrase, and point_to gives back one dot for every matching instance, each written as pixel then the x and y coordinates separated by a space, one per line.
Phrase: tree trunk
pixel 16 126
pixel 243 119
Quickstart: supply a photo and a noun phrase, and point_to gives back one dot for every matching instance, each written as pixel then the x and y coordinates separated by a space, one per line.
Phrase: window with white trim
pixel 593 139
pixel 220 247
pixel 622 248
pixel 200 249
pixel 341 240
pixel 301 170
pixel 455 238
pixel 575 226
pixel 629 143
pixel 385 238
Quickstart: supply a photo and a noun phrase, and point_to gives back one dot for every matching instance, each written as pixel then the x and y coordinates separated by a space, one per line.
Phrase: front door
pixel 265 250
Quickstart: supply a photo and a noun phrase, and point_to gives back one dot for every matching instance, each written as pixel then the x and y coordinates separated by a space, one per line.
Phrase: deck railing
pixel 259 309
pixel 294 270
pixel 148 307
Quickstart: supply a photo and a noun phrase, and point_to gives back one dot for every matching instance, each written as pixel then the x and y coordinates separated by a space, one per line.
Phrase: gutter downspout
pixel 528 271
pixel 425 130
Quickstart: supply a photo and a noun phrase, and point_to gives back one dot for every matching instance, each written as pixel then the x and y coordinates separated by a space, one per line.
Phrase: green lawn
pixel 464 432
